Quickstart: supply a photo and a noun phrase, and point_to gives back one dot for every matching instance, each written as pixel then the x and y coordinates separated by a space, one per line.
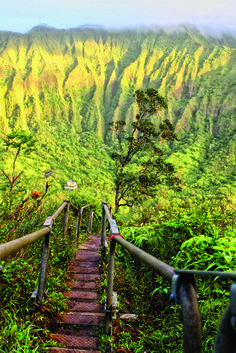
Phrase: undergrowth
pixel 201 237
pixel 24 329
pixel 198 236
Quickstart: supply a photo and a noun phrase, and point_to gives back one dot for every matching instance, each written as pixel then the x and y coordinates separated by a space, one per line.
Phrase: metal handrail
pixel 13 246
pixel 183 287
pixel 89 229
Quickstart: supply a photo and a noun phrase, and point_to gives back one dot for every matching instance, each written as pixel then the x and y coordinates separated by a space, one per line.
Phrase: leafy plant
pixel 188 236
pixel 18 335
pixel 22 330
pixel 20 141
pixel 133 182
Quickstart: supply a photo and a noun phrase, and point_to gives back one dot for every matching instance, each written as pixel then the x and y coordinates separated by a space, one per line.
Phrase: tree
pixel 140 144
pixel 21 141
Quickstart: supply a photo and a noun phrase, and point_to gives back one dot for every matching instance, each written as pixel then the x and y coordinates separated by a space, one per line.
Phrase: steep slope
pixel 55 81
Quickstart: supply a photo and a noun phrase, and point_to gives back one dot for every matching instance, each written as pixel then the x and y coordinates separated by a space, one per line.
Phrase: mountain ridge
pixel 204 30
pixel 85 78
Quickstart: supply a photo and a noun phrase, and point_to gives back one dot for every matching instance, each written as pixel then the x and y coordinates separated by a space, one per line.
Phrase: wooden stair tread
pixel 84 269
pixel 81 284
pixel 88 306
pixel 81 295
pixel 78 325
pixel 75 318
pixel 69 350
pixel 85 277
pixel 76 341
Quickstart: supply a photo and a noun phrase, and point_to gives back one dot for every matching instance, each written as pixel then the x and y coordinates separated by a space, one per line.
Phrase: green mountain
pixel 66 84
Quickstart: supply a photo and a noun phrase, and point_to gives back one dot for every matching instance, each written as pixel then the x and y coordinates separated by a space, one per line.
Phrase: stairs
pixel 77 327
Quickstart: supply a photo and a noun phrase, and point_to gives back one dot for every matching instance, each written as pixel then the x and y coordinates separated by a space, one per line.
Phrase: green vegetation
pixel 61 84
pixel 132 182
pixel 66 88
pixel 200 236
pixel 21 141
pixel 23 330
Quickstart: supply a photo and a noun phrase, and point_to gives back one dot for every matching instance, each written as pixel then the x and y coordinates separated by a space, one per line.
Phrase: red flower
pixel 35 195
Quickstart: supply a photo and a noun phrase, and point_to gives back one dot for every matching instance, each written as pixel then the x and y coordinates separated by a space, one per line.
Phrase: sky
pixel 22 15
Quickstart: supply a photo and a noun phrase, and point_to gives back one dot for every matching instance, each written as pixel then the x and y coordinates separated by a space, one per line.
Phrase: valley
pixel 66 84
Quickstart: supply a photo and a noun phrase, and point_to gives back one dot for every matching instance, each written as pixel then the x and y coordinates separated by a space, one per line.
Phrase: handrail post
pixel 225 338
pixel 108 315
pixel 192 341
pixel 77 226
pixel 89 229
pixel 103 235
pixel 43 271
pixel 66 218
pixel 91 222
pixel 80 221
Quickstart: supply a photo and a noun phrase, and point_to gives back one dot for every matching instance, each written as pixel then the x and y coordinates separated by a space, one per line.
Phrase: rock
pixel 128 317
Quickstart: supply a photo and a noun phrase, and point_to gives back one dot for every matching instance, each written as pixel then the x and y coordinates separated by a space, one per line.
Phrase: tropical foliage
pixel 61 84
pixel 65 88
pixel 133 181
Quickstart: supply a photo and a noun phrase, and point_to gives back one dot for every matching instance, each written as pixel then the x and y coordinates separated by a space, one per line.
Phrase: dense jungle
pixel 66 88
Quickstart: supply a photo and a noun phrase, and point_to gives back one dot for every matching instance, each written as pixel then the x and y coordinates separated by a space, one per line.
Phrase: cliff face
pixel 84 79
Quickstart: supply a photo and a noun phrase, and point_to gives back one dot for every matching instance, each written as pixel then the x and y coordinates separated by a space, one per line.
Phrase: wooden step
pixel 84 258
pixel 84 269
pixel 87 257
pixel 81 284
pixel 85 277
pixel 77 327
pixel 82 318
pixel 90 247
pixel 84 265
pixel 85 306
pixel 75 341
pixel 69 350
pixel 88 252
pixel 75 294
pixel 78 330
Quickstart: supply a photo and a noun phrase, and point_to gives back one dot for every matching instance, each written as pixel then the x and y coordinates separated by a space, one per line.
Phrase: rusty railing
pixel 183 289
pixel 90 221
pixel 13 246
